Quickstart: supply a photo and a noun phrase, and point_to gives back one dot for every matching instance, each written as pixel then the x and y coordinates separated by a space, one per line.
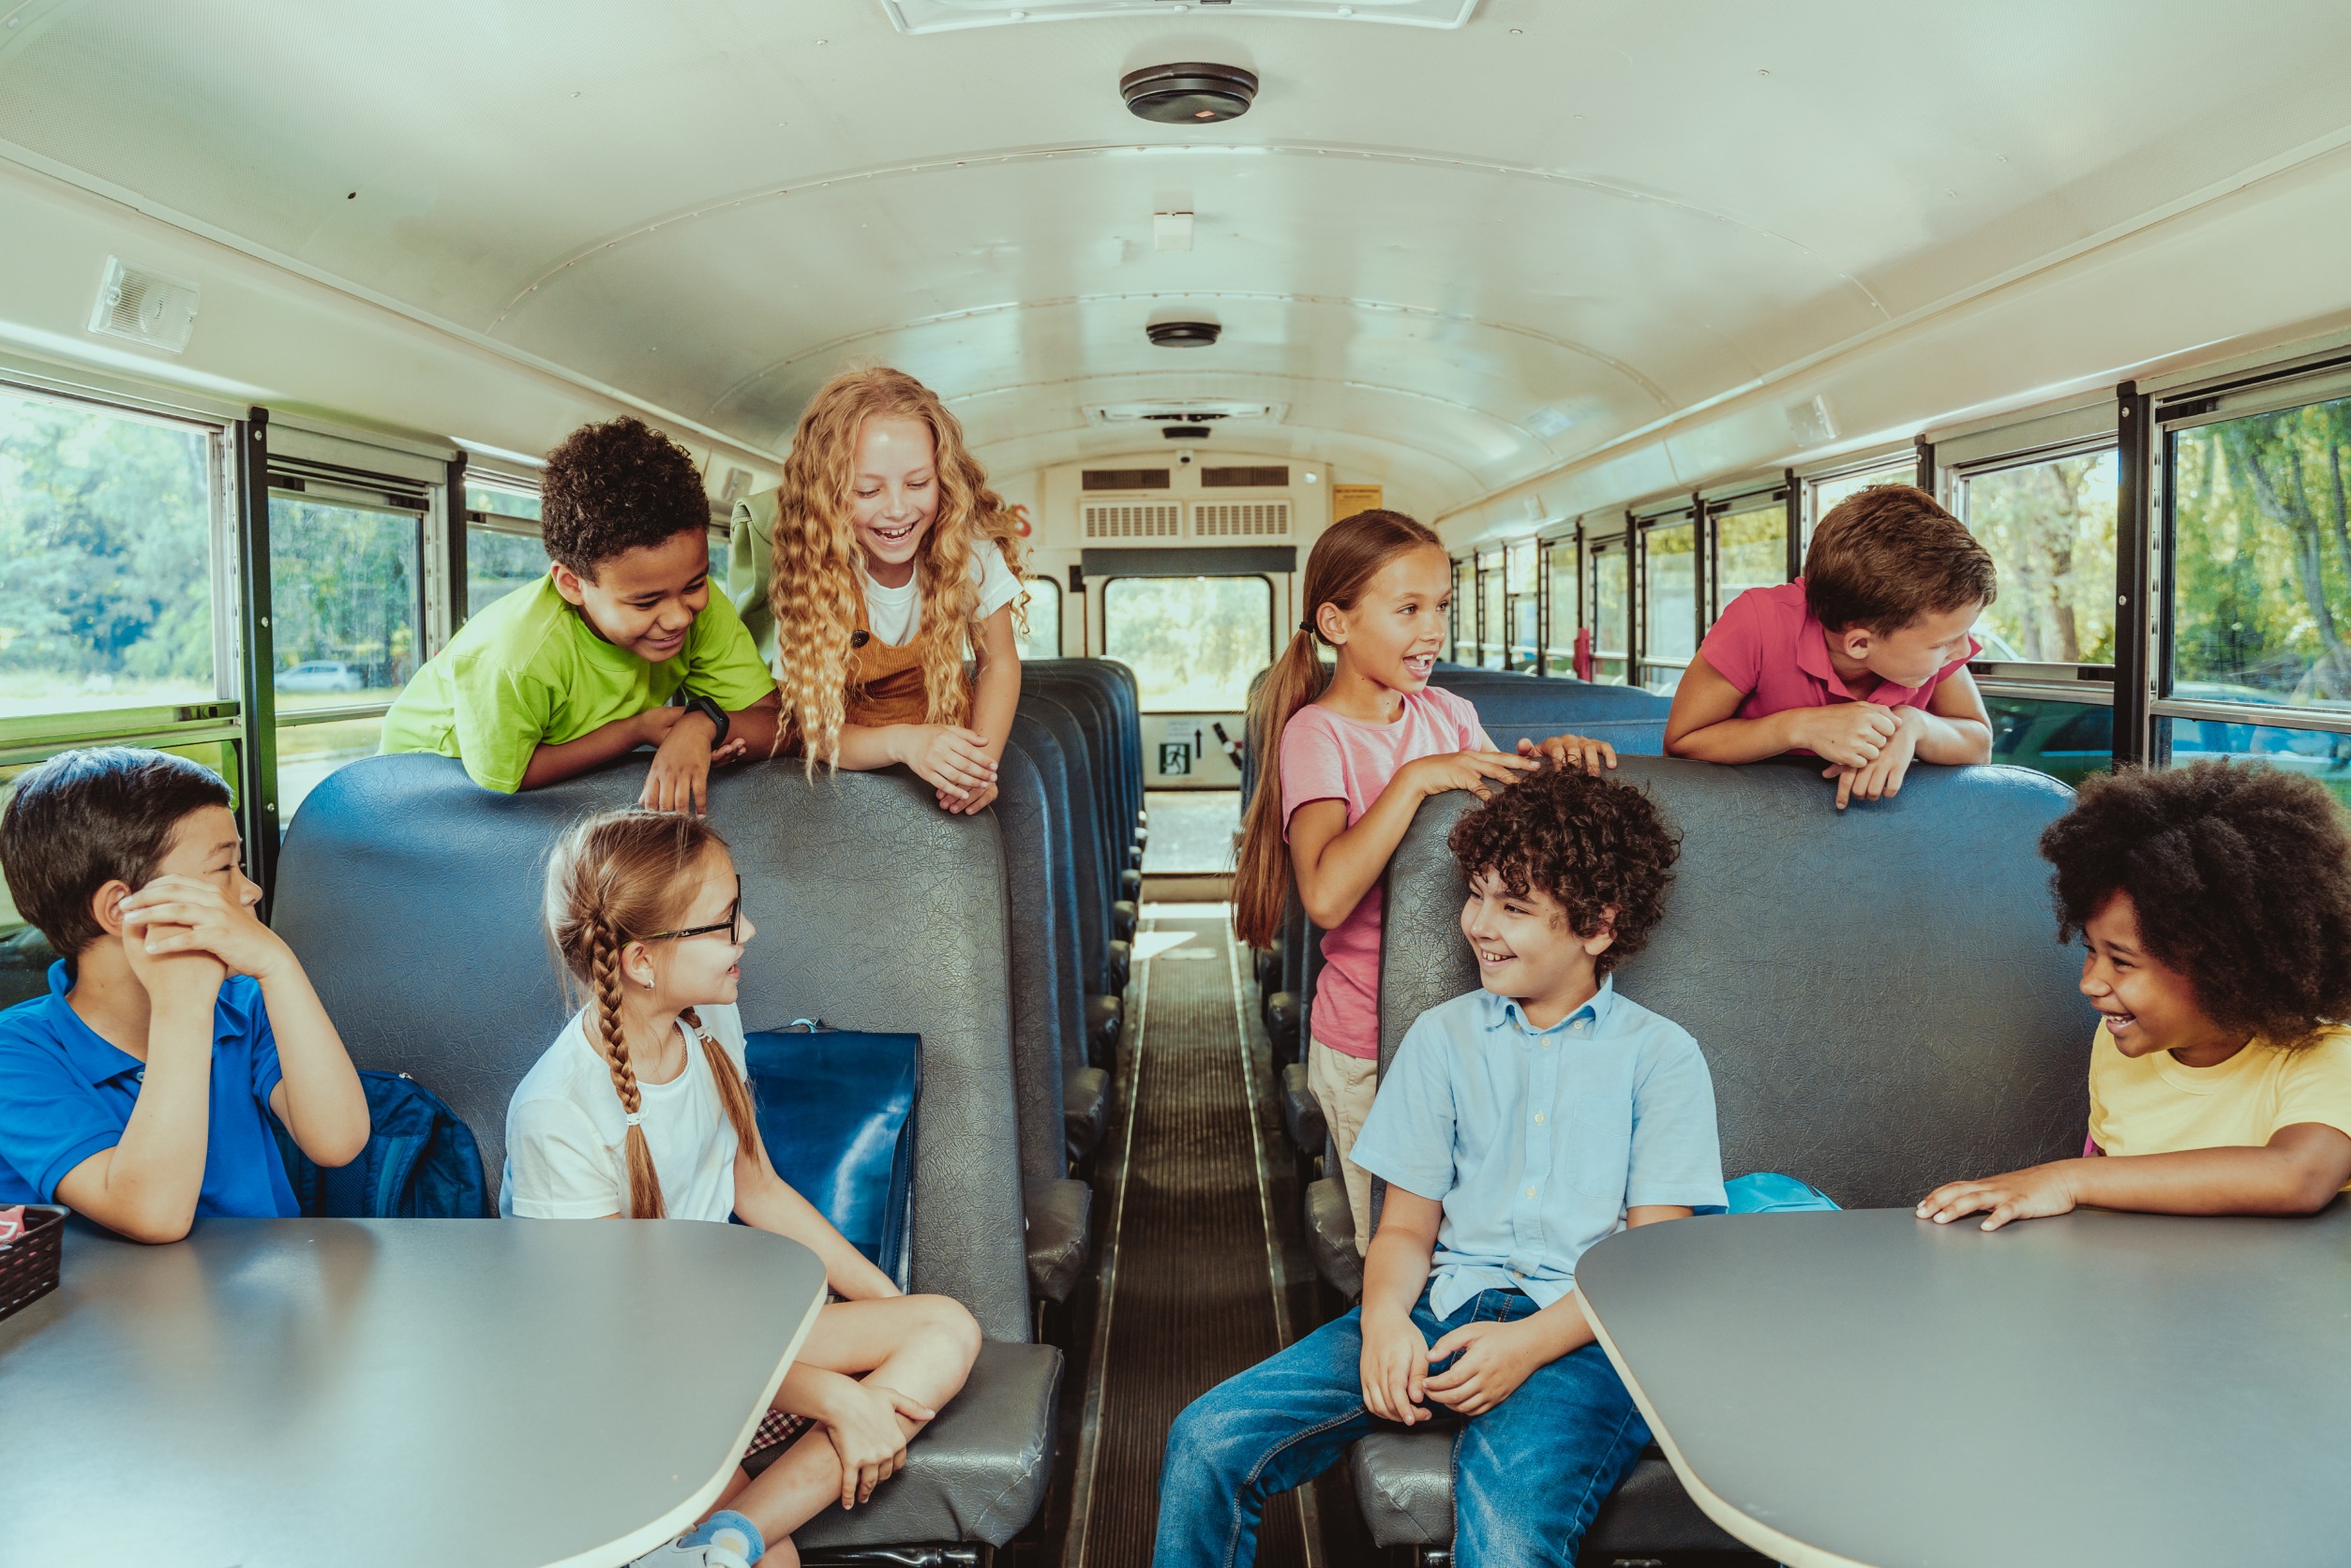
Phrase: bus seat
pixel 1116 684
pixel 1975 1060
pixel 1085 1088
pixel 398 870
pixel 1301 1112
pixel 1101 974
pixel 1058 1211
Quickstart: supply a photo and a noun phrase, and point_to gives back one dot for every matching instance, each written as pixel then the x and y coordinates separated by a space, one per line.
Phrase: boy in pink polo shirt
pixel 1863 661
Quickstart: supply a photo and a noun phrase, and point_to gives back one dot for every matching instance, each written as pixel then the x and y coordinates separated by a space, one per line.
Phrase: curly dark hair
pixel 1593 844
pixel 617 486
pixel 2242 878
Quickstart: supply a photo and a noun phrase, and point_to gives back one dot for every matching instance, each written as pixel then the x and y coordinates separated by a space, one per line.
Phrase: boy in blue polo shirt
pixel 1517 1126
pixel 136 1092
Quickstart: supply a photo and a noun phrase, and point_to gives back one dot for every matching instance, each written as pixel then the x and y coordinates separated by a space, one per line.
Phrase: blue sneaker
pixel 725 1540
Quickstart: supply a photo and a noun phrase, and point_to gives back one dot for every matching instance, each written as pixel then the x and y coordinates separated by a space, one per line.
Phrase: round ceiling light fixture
pixel 1190 93
pixel 1182 334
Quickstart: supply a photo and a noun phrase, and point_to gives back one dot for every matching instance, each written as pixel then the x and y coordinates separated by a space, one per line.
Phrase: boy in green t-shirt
pixel 581 666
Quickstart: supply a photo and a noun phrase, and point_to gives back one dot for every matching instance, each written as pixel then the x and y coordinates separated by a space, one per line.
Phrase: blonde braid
pixel 604 945
pixel 732 1092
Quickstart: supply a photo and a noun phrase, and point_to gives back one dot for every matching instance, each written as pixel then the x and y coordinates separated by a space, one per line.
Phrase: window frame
pixel 1049 580
pixel 2047 679
pixel 1273 612
pixel 2190 407
pixel 1595 547
pixel 1643 524
pixel 1737 501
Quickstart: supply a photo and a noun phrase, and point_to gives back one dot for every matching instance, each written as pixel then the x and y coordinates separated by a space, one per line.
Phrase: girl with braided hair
pixel 639 1111
pixel 866 576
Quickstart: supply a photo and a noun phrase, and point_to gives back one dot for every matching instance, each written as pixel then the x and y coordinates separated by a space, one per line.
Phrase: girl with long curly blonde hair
pixel 889 556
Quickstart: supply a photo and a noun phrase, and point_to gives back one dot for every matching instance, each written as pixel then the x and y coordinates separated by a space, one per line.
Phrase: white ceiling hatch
pixel 941 16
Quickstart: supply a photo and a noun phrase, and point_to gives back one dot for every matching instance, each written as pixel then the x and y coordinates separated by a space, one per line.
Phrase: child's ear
pixel 567 584
pixel 1856 641
pixel 1603 936
pixel 1331 621
pixel 637 964
pixel 105 905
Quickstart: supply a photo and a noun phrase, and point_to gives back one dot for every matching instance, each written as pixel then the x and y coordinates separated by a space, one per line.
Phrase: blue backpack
pixel 421 1161
pixel 1769 1192
pixel 837 1110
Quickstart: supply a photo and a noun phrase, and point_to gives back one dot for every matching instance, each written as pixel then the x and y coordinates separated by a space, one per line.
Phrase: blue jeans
pixel 1528 1475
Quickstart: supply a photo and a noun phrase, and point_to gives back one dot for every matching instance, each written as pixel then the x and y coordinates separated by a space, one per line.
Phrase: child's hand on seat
pixel 1471 771
pixel 956 804
pixel 679 778
pixel 1495 1358
pixel 1572 751
pixel 1394 1365
pixel 175 914
pixel 1847 734
pixel 950 758
pixel 863 1428
pixel 1883 777
pixel 2035 1193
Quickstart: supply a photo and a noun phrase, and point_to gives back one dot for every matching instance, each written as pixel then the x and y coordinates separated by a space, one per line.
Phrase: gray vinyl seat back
pixel 1059 890
pixel 1521 706
pixel 1085 839
pixel 1093 712
pixel 1879 993
pixel 1024 811
pixel 412 899
pixel 1115 684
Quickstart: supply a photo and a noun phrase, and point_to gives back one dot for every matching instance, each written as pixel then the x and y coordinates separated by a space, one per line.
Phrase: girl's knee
pixel 949 1325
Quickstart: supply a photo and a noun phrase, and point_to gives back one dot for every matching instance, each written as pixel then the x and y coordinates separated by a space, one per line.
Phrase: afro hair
pixel 1600 848
pixel 2240 876
pixel 615 488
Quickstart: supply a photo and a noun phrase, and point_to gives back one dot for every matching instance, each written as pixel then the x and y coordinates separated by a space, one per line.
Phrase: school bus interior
pixel 1619 299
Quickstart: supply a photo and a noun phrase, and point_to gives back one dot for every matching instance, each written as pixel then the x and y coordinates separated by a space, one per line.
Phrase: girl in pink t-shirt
pixel 1360 748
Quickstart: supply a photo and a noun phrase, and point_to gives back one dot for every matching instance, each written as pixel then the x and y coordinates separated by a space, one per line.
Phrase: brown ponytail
pixel 615 873
pixel 1344 559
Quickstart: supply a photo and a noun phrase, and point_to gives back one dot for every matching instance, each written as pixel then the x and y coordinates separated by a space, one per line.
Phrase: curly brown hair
pixel 2242 878
pixel 1594 845
pixel 617 486
pixel 1890 555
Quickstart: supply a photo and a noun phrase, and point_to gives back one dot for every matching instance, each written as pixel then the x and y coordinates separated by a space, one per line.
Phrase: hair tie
pixel 634 1117
pixel 1306 626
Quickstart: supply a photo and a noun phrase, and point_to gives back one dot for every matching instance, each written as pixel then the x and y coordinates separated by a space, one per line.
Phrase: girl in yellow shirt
pixel 2215 903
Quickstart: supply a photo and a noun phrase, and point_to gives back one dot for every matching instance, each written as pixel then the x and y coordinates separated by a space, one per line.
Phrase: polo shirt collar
pixel 1506 1010
pixel 1812 657
pixel 93 1055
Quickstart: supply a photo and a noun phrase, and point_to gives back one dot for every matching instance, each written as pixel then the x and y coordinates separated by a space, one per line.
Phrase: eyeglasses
pixel 731 925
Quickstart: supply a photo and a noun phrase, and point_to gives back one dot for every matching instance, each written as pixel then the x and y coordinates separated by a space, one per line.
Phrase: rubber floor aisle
pixel 1191 1287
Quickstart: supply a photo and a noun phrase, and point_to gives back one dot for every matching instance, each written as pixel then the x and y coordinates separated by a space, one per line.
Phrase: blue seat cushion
pixel 837 1115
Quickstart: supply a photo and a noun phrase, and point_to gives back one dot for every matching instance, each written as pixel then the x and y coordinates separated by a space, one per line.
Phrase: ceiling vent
pixel 1240 519
pixel 1162 519
pixel 942 16
pixel 1183 335
pixel 145 306
pixel 1185 432
pixel 1194 93
pixel 1181 410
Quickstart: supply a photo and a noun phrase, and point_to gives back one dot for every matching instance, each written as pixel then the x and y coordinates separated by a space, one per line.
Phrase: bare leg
pixel 921 1346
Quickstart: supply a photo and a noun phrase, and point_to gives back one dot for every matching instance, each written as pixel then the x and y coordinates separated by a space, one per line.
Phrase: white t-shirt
pixel 566 1133
pixel 894 615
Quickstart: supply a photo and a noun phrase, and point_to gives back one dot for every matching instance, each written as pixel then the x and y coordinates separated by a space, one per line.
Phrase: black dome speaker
pixel 1185 432
pixel 1182 334
pixel 1189 93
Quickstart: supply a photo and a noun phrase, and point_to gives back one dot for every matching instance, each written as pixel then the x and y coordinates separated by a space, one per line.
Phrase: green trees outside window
pixel 106 560
pixel 2261 605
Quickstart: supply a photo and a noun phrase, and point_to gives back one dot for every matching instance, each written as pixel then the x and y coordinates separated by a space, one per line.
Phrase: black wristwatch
pixel 697 703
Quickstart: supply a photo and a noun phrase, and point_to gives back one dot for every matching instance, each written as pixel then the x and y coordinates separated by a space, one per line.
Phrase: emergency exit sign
pixel 1175 758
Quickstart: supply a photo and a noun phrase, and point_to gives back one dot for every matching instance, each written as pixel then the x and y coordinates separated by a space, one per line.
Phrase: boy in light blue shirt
pixel 1517 1125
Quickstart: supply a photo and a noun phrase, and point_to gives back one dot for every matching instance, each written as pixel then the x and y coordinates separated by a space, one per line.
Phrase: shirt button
pixel 1529 1192
pixel 1538 1115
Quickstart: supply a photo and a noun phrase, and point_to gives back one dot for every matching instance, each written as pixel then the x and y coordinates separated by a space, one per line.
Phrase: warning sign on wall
pixel 1348 499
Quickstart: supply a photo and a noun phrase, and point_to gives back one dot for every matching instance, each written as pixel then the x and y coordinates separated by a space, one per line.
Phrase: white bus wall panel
pixel 2257 266
pixel 267 334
